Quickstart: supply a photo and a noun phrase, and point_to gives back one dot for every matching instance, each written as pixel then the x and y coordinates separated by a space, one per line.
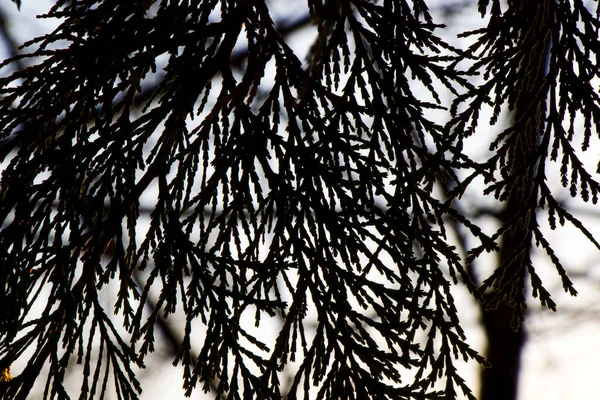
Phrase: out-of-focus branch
pixel 12 47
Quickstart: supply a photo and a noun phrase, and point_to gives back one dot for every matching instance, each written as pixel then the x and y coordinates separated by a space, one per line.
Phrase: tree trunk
pixel 505 344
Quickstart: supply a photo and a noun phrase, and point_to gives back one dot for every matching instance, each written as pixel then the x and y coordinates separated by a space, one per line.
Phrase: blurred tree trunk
pixel 500 382
pixel 505 339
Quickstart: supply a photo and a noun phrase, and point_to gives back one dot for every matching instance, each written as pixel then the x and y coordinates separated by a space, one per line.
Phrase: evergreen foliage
pixel 277 190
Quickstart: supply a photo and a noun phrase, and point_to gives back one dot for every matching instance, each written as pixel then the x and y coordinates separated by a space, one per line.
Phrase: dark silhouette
pixel 302 196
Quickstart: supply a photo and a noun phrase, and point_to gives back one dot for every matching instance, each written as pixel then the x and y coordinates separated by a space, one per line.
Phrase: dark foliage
pixel 511 54
pixel 277 191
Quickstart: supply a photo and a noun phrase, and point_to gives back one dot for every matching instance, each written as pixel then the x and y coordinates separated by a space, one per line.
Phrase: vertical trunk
pixel 500 382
